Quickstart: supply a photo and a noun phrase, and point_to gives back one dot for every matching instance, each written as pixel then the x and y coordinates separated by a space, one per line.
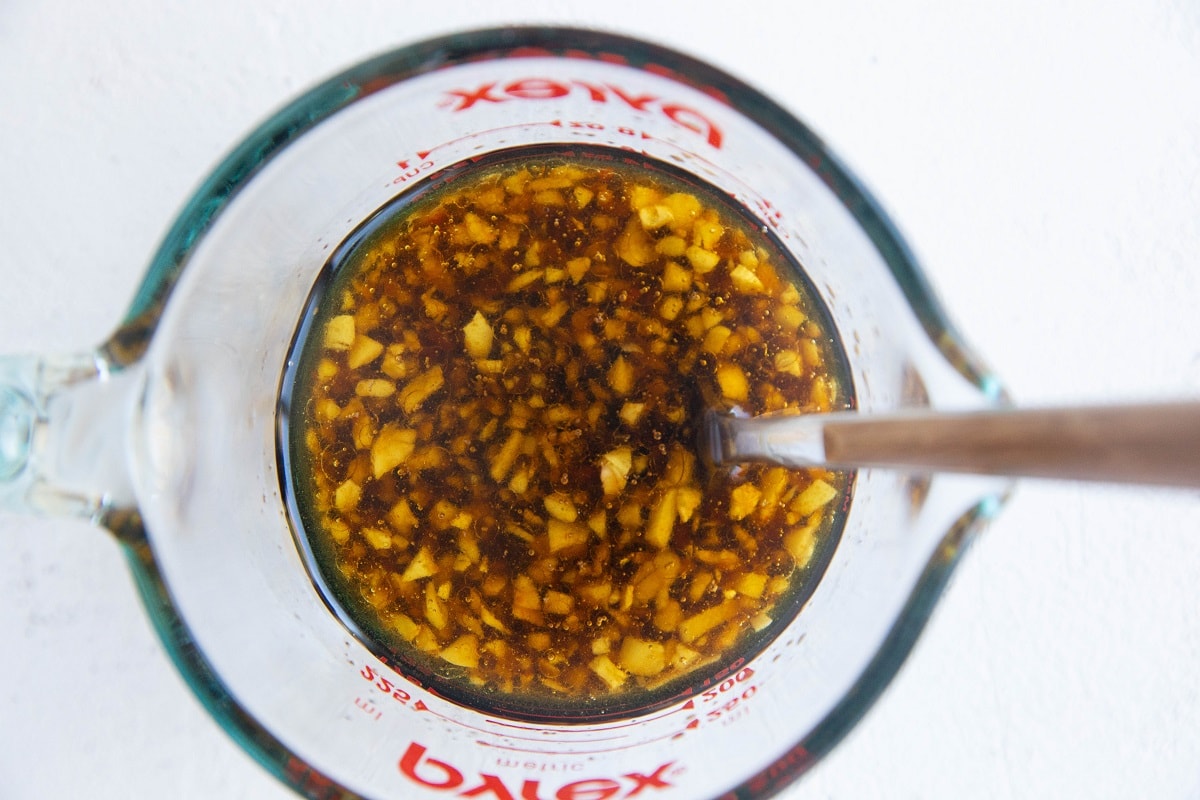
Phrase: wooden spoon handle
pixel 1148 444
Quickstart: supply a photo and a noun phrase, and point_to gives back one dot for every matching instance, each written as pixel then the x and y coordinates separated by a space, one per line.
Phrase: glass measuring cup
pixel 170 427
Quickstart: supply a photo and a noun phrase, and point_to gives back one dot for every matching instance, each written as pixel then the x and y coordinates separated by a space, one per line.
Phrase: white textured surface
pixel 1043 160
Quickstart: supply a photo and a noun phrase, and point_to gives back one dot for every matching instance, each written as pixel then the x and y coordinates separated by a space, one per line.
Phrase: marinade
pixel 493 430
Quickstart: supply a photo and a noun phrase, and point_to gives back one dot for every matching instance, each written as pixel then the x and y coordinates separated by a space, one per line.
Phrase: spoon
pixel 1156 444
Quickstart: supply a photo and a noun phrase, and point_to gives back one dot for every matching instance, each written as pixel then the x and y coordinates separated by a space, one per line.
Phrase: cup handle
pixel 63 425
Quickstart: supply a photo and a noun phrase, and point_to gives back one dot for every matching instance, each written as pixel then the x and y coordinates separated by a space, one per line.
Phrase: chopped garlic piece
pixel 380 540
pixel 745 281
pixel 662 519
pixel 654 217
pixel 608 672
pixel 614 469
pixel 733 383
pixel 363 351
pixel 632 412
pixel 675 278
pixel 642 657
pixel 374 387
pixel 744 500
pixel 564 535
pixel 633 246
pixel 422 566
pixel 478 336
pixel 695 626
pixel 621 376
pixel 816 495
pixel 347 495
pixel 463 651
pixel 561 507
pixel 702 260
pixel 339 332
pixel 421 388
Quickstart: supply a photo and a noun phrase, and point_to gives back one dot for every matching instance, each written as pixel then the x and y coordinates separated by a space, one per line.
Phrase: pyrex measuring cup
pixel 167 433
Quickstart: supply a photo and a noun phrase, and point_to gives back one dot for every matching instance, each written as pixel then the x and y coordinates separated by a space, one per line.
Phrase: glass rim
pixel 238 168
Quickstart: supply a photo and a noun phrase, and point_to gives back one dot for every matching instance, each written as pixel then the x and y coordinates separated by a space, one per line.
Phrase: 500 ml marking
pixel 742 675
pixel 734 707
pixel 726 702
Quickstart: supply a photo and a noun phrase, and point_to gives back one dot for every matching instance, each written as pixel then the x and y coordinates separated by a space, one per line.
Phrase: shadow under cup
pixel 222 575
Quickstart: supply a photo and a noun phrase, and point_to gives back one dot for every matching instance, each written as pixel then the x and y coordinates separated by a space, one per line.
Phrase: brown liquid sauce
pixel 494 428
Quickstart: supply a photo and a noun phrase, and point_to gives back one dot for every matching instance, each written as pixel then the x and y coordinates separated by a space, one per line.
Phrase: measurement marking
pixel 691 726
pixel 420 705
pixel 369 707
pixel 423 154
pixel 588 752
pixel 688 706
pixel 551 733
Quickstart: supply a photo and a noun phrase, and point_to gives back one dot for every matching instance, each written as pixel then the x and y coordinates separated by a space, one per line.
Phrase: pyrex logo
pixel 550 89
pixel 436 774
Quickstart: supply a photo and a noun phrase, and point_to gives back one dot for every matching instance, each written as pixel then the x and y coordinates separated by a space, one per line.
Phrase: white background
pixel 1043 159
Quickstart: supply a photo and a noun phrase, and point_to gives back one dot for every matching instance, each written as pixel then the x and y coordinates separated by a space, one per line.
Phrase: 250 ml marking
pixel 384 685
